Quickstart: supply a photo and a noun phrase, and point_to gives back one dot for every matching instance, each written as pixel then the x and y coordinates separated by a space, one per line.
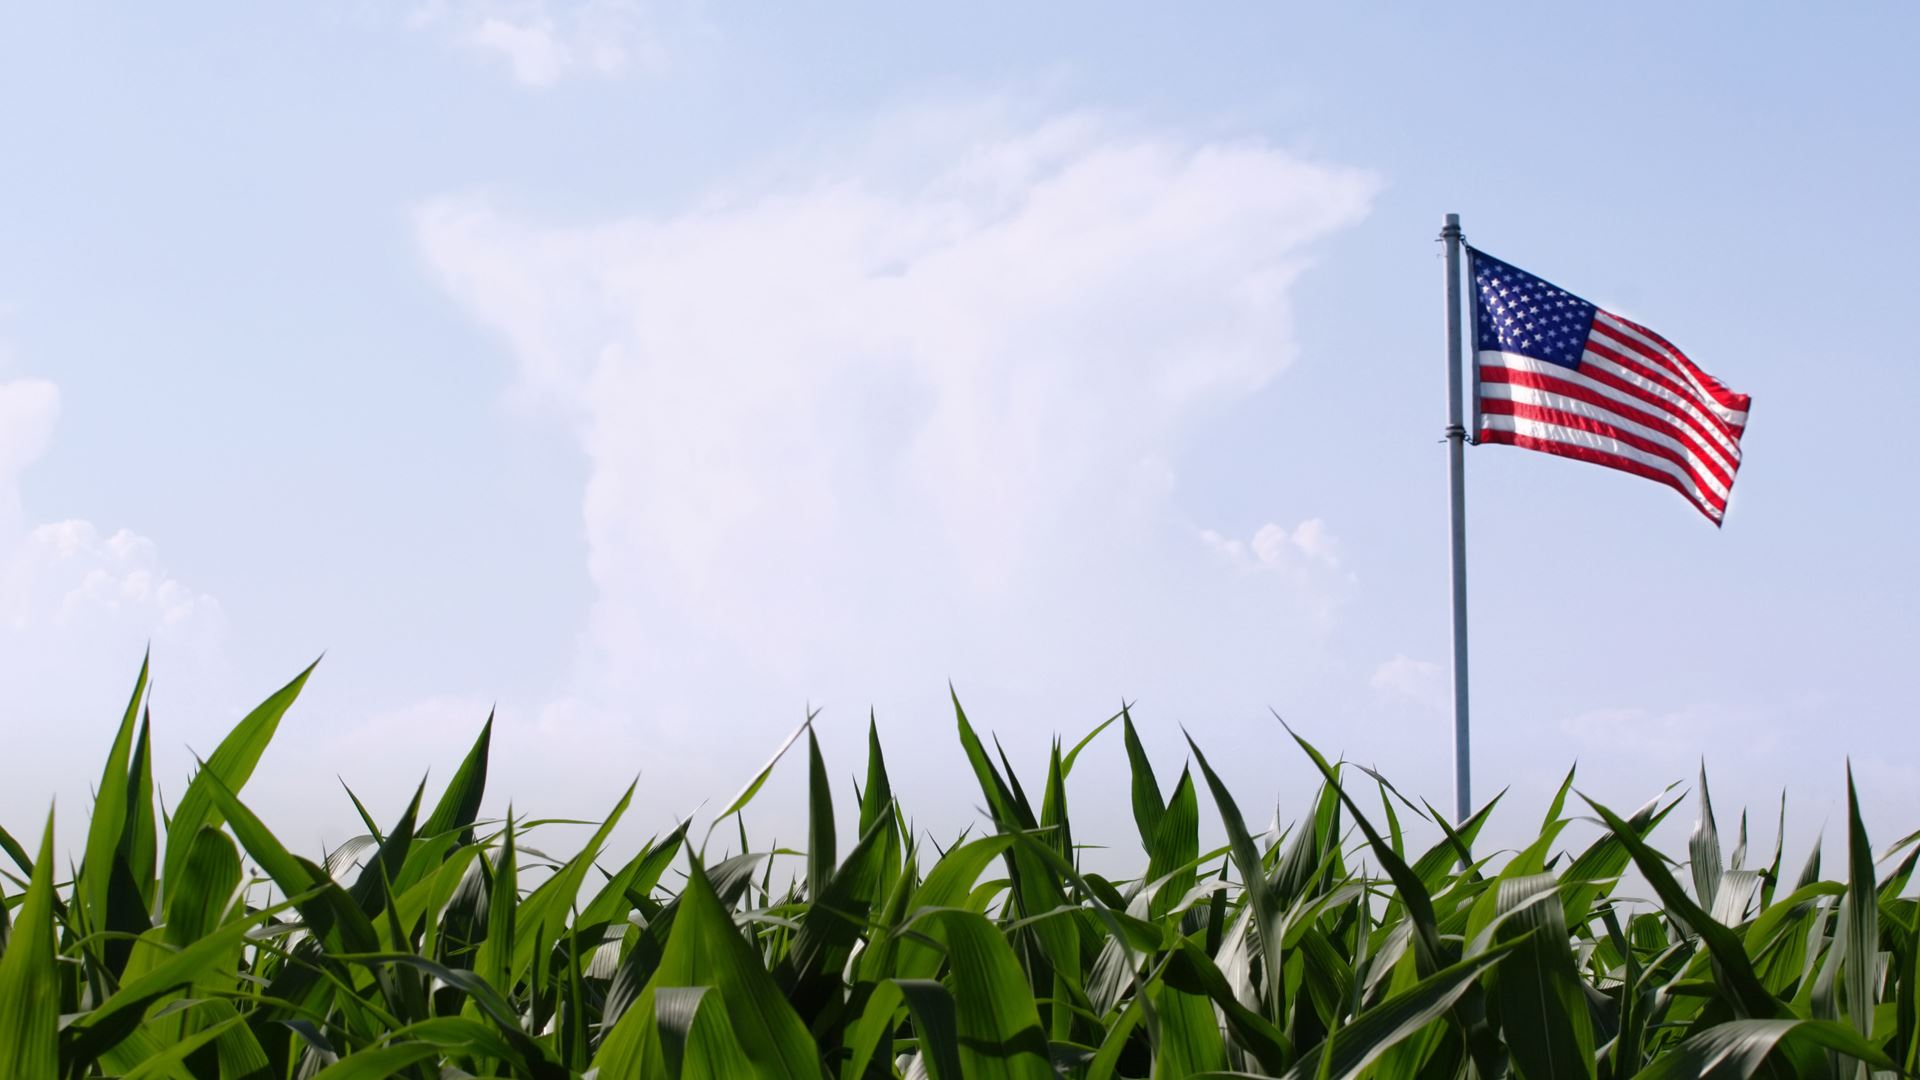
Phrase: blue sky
pixel 654 371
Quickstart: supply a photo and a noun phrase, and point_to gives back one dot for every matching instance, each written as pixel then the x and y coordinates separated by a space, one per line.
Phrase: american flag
pixel 1560 375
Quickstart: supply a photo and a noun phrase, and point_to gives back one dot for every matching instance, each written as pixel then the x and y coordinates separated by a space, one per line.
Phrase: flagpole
pixel 1457 492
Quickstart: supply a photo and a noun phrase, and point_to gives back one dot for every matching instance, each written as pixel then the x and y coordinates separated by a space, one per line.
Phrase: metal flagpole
pixel 1457 491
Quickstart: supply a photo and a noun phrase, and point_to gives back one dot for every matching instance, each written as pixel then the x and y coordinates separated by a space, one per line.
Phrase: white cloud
pixel 28 409
pixel 542 42
pixel 532 50
pixel 1422 682
pixel 78 605
pixel 1671 738
pixel 67 578
pixel 913 418
pixel 1304 560
pixel 1276 548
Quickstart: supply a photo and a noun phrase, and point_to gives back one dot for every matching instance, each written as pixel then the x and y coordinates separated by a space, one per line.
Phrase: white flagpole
pixel 1457 491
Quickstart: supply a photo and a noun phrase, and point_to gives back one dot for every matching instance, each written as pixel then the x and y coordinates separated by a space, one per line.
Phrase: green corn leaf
pixel 544 913
pixel 1306 850
pixel 495 962
pixel 1732 969
pixel 934 1027
pixel 1461 850
pixel 200 895
pixel 1412 891
pixel 1253 875
pixel 1764 929
pixel 936 1023
pixel 1147 804
pixel 834 922
pixel 1739 1049
pixel 329 913
pixel 114 1019
pixel 572 1041
pixel 1559 804
pixel 1592 873
pixel 1705 849
pixel 1433 865
pixel 378 1062
pixel 876 798
pixel 1066 764
pixel 15 852
pixel 1355 1047
pixel 231 765
pixel 1772 878
pixel 1176 848
pixel 1862 903
pixel 370 887
pixel 1543 1008
pixel 704 949
pixel 460 803
pixel 29 982
pixel 1036 891
pixel 238 1051
pixel 1910 989
pixel 1190 1040
pixel 139 845
pixel 1000 1037
pixel 871 1029
pixel 1395 834
pixel 168 1062
pixel 436 903
pixel 489 1002
pixel 696 1043
pixel 636 878
pixel 1118 1036
pixel 759 780
pixel 110 805
pixel 1053 805
pixel 947 885
pixel 1190 969
pixel 1810 870
pixel 459 949
pixel 821 854
pixel 464 1036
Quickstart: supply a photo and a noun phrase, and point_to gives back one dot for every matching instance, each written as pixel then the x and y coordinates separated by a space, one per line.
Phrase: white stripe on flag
pixel 1677 403
pixel 1534 429
pixel 1546 399
pixel 1619 330
pixel 1716 443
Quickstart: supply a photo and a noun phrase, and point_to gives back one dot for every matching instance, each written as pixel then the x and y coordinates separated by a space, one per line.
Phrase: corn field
pixel 441 945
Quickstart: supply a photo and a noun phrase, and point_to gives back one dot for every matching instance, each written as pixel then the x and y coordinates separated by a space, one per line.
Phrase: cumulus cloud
pixel 68 576
pixel 1275 547
pixel 1422 682
pixel 28 409
pixel 1305 557
pixel 68 579
pixel 542 42
pixel 1669 738
pixel 78 604
pixel 914 416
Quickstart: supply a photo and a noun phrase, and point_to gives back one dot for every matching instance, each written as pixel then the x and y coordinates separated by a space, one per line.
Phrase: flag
pixel 1561 375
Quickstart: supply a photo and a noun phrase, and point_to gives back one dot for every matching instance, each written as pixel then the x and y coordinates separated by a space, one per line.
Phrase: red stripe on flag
pixel 1596 457
pixel 1663 422
pixel 1704 421
pixel 1638 365
pixel 1707 383
pixel 1540 414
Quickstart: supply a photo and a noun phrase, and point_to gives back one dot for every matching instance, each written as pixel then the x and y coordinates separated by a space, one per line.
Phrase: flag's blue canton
pixel 1519 313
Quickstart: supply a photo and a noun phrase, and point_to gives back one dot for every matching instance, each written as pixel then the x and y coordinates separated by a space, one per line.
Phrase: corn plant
pixel 444 944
